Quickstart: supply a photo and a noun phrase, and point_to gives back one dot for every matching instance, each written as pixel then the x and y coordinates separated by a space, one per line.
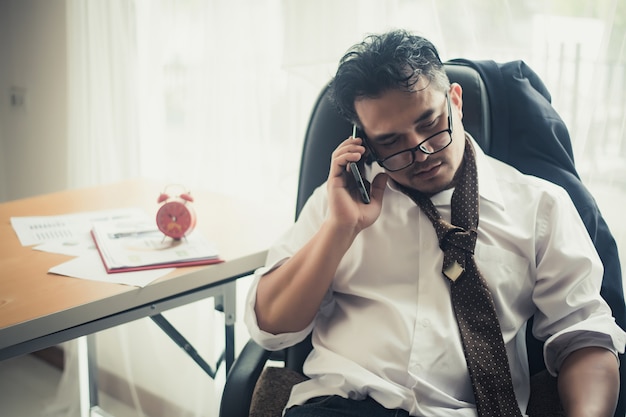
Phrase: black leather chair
pixel 326 129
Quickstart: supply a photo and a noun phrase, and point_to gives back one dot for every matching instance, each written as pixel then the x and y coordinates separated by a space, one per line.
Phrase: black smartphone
pixel 365 197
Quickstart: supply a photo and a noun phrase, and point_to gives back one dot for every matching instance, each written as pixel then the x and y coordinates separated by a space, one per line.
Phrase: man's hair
pixel 393 60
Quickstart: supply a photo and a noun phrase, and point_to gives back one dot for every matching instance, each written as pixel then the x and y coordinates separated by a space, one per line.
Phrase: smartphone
pixel 365 197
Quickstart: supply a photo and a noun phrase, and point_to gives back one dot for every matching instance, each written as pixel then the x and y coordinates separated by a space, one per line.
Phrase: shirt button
pixel 425 323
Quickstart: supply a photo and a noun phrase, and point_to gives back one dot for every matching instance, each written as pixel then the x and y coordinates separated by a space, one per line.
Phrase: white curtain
pixel 103 101
pixel 216 94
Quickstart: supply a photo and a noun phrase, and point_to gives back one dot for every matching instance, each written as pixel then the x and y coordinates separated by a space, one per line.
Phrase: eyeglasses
pixel 432 144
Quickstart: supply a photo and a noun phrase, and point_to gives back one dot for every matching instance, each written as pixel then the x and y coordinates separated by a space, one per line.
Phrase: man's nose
pixel 414 140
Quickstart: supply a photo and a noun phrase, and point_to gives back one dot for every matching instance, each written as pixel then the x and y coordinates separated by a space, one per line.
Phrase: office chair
pixel 488 116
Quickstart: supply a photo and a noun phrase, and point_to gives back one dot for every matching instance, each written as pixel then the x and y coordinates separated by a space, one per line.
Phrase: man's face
pixel 399 120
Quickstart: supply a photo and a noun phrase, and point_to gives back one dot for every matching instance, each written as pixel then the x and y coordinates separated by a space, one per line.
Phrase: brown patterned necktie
pixel 475 312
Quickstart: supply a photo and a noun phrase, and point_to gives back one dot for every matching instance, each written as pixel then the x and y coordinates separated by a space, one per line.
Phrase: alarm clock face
pixel 176 219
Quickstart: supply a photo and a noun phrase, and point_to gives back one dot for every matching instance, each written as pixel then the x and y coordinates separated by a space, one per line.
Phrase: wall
pixel 33 160
pixel 4 65
pixel 33 136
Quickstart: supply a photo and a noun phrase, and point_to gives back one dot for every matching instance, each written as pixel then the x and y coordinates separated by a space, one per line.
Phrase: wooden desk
pixel 38 310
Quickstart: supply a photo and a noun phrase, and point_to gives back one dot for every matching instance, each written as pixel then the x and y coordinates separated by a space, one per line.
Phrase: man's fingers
pixel 378 186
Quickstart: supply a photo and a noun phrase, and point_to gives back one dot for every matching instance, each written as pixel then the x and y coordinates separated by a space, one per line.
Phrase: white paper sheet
pixel 90 267
pixel 69 228
pixel 79 246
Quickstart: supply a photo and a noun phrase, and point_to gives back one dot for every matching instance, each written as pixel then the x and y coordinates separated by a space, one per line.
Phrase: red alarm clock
pixel 176 217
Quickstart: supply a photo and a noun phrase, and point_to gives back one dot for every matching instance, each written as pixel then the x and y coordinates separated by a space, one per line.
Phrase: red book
pixel 136 244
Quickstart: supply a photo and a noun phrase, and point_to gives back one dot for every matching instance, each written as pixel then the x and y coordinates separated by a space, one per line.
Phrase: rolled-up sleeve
pixel 559 346
pixel 571 313
pixel 267 340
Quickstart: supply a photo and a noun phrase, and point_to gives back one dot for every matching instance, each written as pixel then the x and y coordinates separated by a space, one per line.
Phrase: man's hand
pixel 288 297
pixel 589 383
pixel 346 208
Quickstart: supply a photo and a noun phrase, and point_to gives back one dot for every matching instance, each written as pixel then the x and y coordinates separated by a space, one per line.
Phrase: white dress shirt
pixel 386 328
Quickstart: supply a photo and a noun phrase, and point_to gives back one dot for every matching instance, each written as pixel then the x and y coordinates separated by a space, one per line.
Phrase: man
pixel 367 279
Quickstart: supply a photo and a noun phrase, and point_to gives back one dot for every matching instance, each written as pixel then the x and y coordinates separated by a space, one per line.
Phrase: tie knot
pixel 451 235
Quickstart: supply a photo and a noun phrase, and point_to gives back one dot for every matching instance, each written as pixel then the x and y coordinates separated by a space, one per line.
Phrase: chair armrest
pixel 241 380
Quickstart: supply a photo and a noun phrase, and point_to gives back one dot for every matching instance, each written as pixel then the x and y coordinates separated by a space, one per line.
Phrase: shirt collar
pixel 488 186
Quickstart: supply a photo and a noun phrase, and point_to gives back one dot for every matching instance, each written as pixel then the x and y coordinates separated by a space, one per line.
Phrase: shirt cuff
pixel 267 340
pixel 559 346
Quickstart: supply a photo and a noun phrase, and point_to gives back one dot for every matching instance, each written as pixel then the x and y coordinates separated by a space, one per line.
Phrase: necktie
pixel 473 305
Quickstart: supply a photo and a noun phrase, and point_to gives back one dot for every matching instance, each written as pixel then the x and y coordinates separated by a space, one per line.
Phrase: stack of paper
pixel 127 241
pixel 136 244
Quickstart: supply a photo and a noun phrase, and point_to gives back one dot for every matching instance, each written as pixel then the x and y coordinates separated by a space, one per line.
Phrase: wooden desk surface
pixel 34 303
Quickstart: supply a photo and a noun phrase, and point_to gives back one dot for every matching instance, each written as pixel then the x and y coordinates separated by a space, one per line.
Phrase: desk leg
pixel 230 316
pixel 84 375
pixel 88 378
pixel 226 302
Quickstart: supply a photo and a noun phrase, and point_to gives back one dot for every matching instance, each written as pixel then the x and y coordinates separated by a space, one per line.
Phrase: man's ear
pixel 456 97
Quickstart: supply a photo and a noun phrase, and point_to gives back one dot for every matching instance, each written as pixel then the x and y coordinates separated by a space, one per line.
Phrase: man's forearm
pixel 589 383
pixel 289 297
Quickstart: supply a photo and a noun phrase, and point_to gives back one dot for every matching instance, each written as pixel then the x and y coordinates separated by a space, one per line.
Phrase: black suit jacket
pixel 532 137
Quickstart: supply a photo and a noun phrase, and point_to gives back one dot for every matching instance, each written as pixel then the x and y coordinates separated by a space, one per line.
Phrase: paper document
pixel 136 244
pixel 90 267
pixel 69 228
